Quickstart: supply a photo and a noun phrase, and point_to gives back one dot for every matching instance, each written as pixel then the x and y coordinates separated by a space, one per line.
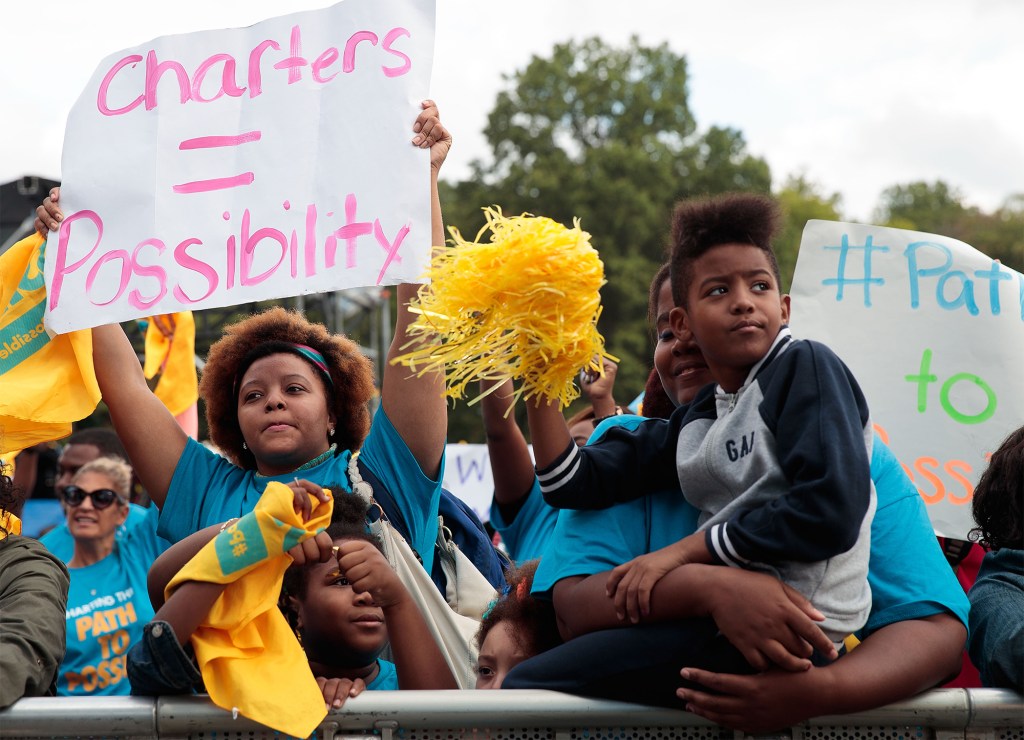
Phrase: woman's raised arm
pixel 150 434
pixel 415 404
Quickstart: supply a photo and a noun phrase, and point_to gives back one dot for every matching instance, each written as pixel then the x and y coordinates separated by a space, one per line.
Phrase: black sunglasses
pixel 101 499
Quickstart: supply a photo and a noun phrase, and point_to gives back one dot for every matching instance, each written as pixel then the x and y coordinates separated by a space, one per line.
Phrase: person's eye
pixel 341 581
pixel 762 286
pixel 295 388
pixel 720 290
pixel 252 396
pixel 666 335
pixel 484 671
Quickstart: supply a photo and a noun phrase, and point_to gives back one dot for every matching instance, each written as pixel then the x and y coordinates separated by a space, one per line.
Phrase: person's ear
pixel 680 324
pixel 785 308
pixel 122 514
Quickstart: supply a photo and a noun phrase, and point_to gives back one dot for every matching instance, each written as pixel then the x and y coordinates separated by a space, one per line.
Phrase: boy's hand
pixel 630 584
pixel 769 622
pixel 49 215
pixel 316 549
pixel 431 133
pixel 337 690
pixel 368 570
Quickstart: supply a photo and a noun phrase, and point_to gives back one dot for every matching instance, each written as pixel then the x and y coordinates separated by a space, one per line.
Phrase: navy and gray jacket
pixel 780 471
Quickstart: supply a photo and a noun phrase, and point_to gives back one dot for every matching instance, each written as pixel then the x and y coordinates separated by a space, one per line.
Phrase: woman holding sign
pixel 285 399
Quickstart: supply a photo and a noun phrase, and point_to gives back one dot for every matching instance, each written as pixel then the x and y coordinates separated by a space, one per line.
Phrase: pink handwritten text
pixel 193 269
pixel 190 87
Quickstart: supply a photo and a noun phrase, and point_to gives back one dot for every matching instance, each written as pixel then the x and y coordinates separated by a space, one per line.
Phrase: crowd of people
pixel 745 548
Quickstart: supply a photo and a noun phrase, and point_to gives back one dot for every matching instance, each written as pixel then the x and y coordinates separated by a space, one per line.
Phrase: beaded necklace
pixel 311 464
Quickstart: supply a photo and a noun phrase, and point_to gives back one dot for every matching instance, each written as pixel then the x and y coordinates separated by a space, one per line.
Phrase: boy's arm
pixel 624 465
pixel 767 621
pixel 893 663
pixel 819 415
pixel 511 465
pixel 417 658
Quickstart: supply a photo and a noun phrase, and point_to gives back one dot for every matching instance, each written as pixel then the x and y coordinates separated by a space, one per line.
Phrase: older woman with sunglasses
pixel 108 604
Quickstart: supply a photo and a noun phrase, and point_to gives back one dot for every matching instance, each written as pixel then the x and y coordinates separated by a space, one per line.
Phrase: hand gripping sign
pixel 222 167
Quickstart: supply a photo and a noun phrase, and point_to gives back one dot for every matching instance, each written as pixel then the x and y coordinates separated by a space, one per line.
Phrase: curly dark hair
pixel 532 621
pixel 657 404
pixel 998 504
pixel 700 224
pixel 348 521
pixel 271 332
pixel 660 277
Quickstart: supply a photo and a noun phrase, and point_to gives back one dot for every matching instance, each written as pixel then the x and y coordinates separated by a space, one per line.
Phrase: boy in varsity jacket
pixel 775 456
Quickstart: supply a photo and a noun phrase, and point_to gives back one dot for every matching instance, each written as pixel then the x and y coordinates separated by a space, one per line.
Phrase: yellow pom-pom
pixel 522 305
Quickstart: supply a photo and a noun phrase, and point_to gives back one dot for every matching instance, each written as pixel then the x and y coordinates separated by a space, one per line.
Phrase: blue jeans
pixel 158 665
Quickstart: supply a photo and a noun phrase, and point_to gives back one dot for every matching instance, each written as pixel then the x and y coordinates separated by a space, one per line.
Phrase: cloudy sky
pixel 858 96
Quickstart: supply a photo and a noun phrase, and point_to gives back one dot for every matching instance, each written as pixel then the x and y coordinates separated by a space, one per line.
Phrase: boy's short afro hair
pixel 699 224
pixel 351 373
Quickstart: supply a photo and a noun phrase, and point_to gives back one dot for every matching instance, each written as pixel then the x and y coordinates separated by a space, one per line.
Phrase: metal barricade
pixel 944 714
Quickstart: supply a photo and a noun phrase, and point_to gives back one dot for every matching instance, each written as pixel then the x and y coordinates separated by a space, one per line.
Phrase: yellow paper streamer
pixel 522 305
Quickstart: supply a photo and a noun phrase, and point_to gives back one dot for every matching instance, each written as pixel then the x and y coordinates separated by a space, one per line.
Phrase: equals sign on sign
pixel 217 183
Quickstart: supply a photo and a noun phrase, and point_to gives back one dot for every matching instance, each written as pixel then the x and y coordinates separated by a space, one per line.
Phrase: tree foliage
pixel 801 201
pixel 938 208
pixel 606 135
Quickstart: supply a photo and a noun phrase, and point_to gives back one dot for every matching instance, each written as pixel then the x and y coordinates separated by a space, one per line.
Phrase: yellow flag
pixel 48 382
pixel 248 655
pixel 170 351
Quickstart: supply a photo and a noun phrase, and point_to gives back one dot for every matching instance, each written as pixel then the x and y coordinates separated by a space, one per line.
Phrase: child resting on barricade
pixel 222 630
pixel 516 626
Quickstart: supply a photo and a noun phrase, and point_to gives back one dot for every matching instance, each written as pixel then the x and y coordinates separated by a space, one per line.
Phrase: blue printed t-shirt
pixel 910 578
pixel 528 534
pixel 587 542
pixel 387 678
pixel 60 542
pixel 207 489
pixel 908 574
pixel 108 606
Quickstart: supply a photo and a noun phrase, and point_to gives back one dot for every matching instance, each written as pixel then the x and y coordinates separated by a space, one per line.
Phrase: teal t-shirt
pixel 108 605
pixel 207 489
pixel 387 678
pixel 528 534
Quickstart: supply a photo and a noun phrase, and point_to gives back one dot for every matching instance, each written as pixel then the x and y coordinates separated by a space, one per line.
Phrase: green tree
pixel 934 207
pixel 937 208
pixel 606 135
pixel 801 201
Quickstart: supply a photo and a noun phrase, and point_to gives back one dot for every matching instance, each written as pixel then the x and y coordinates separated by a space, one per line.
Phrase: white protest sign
pixel 933 330
pixel 222 167
pixel 467 474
